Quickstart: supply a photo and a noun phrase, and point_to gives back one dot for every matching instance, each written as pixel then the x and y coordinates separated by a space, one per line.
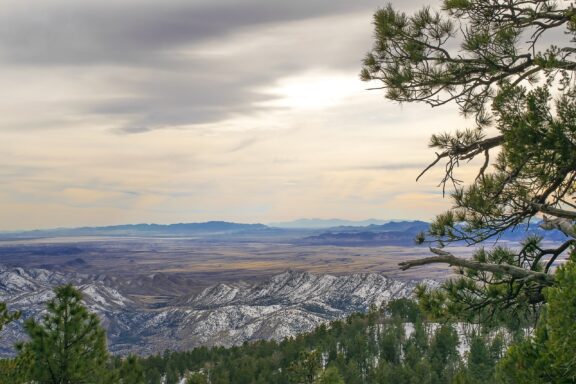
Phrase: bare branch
pixel 506 269
pixel 557 252
pixel 485 165
pixel 466 152
pixel 562 224
pixel 571 215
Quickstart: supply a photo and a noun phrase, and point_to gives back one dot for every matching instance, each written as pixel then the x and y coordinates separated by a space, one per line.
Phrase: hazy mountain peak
pixel 326 223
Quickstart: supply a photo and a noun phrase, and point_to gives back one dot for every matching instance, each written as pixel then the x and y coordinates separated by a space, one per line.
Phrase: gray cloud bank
pixel 180 63
pixel 112 32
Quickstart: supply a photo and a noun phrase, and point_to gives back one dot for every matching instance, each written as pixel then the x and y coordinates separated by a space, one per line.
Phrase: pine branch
pixel 555 211
pixel 557 252
pixel 564 225
pixel 506 269
pixel 466 152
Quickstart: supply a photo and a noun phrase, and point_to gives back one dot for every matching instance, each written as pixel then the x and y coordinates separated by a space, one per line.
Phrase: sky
pixel 140 111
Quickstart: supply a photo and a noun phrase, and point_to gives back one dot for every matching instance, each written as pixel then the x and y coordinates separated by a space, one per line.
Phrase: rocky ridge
pixel 223 314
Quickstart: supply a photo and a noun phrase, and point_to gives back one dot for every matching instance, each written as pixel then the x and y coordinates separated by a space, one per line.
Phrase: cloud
pixel 393 166
pixel 90 196
pixel 248 142
pixel 128 32
pixel 149 65
pixel 172 100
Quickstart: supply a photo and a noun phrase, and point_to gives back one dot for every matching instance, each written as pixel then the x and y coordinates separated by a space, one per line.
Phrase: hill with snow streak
pixel 224 314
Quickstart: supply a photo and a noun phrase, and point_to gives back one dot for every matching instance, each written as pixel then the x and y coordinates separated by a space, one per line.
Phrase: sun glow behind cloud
pixel 312 91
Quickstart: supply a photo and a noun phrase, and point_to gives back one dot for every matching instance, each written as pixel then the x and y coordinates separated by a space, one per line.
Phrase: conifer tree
pixel 495 60
pixel 197 378
pixel 329 376
pixel 131 371
pixel 68 345
pixel 7 316
pixel 480 362
pixel 153 376
pixel 172 376
pixel 305 368
pixel 549 356
pixel 15 371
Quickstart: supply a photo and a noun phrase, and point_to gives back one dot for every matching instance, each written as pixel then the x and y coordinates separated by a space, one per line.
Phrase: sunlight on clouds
pixel 312 91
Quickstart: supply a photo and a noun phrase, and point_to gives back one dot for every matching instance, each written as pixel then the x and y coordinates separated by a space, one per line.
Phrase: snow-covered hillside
pixel 223 314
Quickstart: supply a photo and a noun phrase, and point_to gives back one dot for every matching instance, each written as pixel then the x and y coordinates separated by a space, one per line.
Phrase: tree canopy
pixel 509 66
pixel 394 344
pixel 68 345
pixel 549 356
pixel 6 316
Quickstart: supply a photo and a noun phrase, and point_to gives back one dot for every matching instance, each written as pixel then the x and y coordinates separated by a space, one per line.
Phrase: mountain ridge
pixel 403 233
pixel 224 314
pixel 326 223
pixel 143 228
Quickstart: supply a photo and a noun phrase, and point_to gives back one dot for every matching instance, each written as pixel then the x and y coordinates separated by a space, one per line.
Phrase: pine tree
pixel 197 378
pixel 172 376
pixel 491 59
pixel 443 352
pixel 153 376
pixel 329 376
pixel 305 368
pixel 7 316
pixel 68 345
pixel 548 357
pixel 131 371
pixel 479 361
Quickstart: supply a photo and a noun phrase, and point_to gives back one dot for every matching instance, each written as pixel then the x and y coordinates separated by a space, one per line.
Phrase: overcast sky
pixel 191 110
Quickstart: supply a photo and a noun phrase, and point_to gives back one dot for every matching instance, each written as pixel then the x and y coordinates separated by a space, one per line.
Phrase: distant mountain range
pixel 403 233
pixel 225 314
pixel 309 231
pixel 303 227
pixel 180 229
pixel 326 223
pixel 390 226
